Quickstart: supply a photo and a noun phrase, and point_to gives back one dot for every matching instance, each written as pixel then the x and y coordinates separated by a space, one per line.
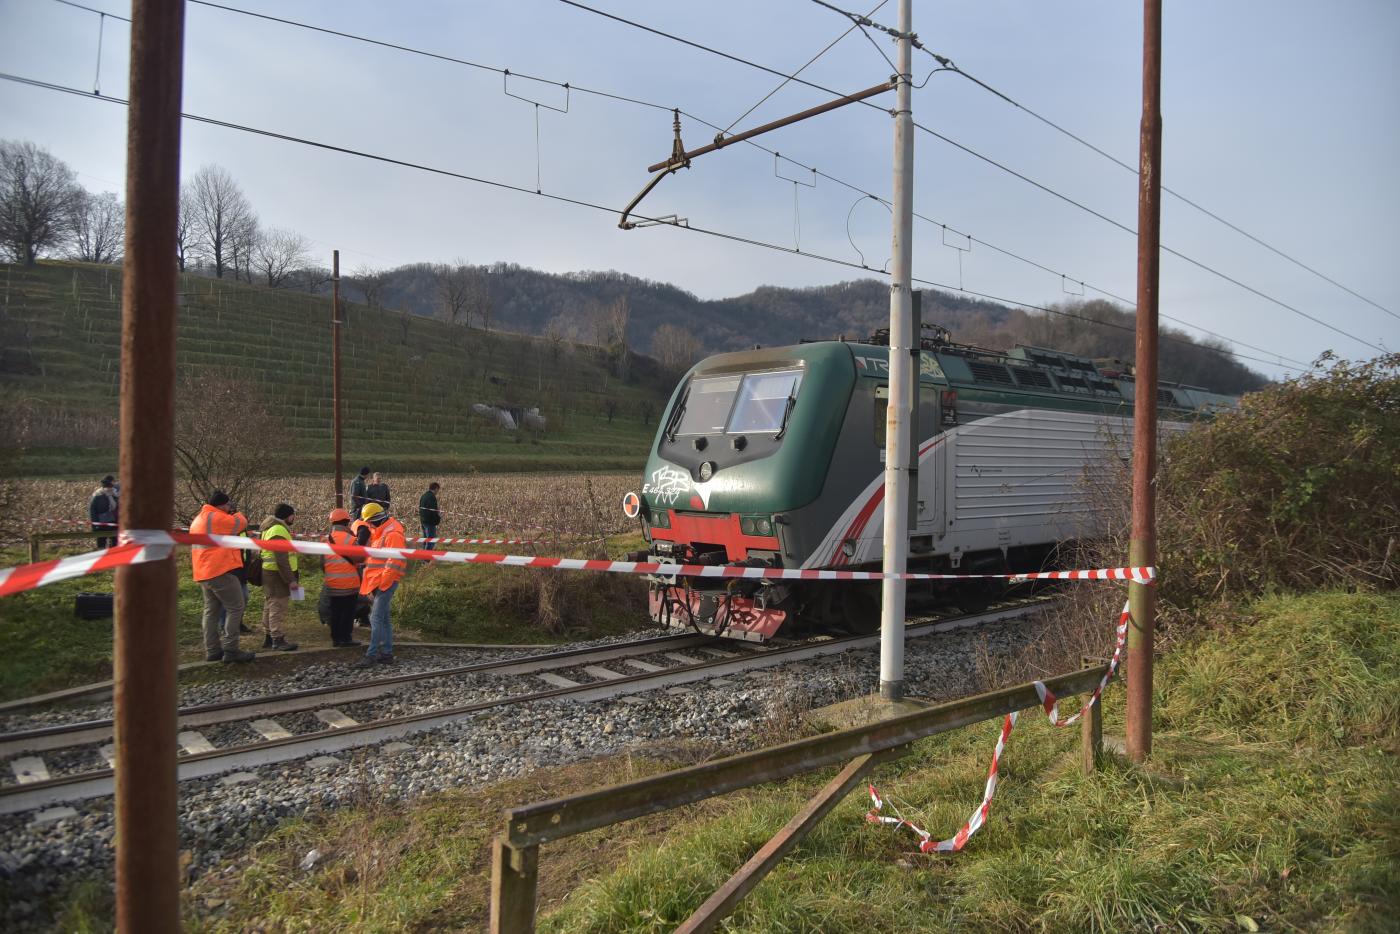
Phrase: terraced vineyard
pixel 409 382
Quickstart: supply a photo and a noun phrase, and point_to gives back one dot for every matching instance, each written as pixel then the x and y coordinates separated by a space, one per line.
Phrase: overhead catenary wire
pixel 568 86
pixel 948 65
pixel 953 67
pixel 773 71
pixel 580 202
pixel 784 83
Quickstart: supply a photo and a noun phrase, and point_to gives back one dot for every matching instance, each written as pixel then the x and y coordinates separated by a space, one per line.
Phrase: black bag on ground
pixel 93 606
pixel 252 567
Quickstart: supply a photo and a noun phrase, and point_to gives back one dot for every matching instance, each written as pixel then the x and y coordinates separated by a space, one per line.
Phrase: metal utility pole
pixel 144 654
pixel 903 347
pixel 335 374
pixel 1142 547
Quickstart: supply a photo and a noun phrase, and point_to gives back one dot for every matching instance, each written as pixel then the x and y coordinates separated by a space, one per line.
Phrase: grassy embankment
pixel 1271 800
pixel 408 393
pixel 44 647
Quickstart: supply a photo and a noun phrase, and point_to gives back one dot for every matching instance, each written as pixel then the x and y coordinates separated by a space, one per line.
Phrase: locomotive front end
pixel 743 447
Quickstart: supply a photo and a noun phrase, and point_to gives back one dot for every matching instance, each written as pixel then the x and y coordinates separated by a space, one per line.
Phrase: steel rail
pixel 98 783
pixel 64 735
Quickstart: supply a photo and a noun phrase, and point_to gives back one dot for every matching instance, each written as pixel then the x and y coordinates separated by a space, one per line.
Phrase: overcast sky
pixel 1279 116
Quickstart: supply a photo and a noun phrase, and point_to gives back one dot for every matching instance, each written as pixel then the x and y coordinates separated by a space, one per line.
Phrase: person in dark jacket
pixel 102 512
pixel 377 491
pixel 428 515
pixel 357 492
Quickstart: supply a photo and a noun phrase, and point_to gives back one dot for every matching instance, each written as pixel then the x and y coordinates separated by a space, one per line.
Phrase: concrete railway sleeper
pixel 36 789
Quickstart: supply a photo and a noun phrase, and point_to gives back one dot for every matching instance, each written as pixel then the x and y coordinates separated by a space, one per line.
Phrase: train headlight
pixel 707 470
pixel 848 548
pixel 756 525
pixel 660 519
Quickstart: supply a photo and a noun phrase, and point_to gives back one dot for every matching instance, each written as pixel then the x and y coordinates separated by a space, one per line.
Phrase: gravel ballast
pixel 219 817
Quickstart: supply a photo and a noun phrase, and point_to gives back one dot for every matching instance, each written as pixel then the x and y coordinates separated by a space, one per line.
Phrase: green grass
pixel 406 402
pixel 1280 816
pixel 44 647
pixel 1271 798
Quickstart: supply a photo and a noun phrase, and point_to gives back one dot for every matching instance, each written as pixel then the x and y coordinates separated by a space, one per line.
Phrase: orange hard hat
pixel 340 515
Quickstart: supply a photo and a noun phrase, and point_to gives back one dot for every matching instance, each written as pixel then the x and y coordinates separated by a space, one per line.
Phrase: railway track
pixel 657 663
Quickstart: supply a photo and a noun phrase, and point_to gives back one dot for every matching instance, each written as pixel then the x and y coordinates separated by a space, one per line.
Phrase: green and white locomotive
pixel 775 458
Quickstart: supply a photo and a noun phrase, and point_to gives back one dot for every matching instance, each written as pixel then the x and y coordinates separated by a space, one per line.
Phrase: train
pixel 774 457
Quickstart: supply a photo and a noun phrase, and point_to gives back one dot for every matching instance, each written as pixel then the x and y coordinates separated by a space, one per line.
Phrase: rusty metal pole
pixel 335 374
pixel 144 655
pixel 1142 547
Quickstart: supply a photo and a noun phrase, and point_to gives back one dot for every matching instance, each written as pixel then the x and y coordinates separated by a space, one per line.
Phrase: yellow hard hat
pixel 370 510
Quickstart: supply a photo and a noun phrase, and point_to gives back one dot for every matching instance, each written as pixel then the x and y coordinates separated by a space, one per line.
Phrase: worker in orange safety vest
pixel 381 579
pixel 341 581
pixel 217 571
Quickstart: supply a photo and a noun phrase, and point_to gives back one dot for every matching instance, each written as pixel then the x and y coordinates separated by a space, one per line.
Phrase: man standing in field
pixel 216 571
pixel 102 511
pixel 280 578
pixel 357 491
pixel 381 579
pixel 428 515
pixel 377 491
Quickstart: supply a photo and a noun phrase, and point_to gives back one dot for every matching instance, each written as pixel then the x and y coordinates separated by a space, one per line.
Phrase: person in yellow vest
pixel 217 570
pixel 341 581
pixel 381 579
pixel 280 577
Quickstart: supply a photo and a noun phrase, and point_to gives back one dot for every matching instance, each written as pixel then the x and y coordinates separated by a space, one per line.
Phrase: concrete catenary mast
pixel 904 347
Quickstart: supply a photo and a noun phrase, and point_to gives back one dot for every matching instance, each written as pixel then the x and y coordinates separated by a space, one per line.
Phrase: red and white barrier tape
pixel 956 842
pixel 164 540
pixel 29 576
pixel 478 541
pixel 498 522
pixel 84 523
pixel 1051 706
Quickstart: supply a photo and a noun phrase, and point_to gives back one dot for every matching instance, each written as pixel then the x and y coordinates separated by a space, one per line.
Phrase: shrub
pixel 1299 488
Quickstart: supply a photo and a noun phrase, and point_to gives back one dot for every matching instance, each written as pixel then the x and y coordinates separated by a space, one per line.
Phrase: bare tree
pixel 675 348
pixel 456 292
pixel 372 282
pixel 405 322
pixel 218 416
pixel 277 254
pixel 312 279
pixel 242 244
pixel 98 227
pixel 610 332
pixel 220 213
pixel 186 233
pixel 37 193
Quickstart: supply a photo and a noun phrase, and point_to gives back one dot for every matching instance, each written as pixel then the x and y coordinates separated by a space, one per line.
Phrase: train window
pixel 764 400
pixel 706 405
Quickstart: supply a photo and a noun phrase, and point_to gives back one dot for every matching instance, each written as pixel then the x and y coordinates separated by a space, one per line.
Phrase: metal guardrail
pixel 515 852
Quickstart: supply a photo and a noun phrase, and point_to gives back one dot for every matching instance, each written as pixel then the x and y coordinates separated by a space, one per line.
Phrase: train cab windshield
pixel 753 403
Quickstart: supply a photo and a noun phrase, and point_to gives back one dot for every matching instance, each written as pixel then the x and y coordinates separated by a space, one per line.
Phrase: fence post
pixel 1091 734
pixel 34 548
pixel 514 873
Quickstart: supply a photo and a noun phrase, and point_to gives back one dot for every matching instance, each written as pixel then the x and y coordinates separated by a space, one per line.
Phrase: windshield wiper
pixel 787 413
pixel 674 422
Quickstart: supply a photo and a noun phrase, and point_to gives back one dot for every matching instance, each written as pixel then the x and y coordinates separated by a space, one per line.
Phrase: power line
pixel 752 64
pixel 784 83
pixel 579 202
pixel 650 104
pixel 787 79
pixel 1129 230
pixel 950 66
